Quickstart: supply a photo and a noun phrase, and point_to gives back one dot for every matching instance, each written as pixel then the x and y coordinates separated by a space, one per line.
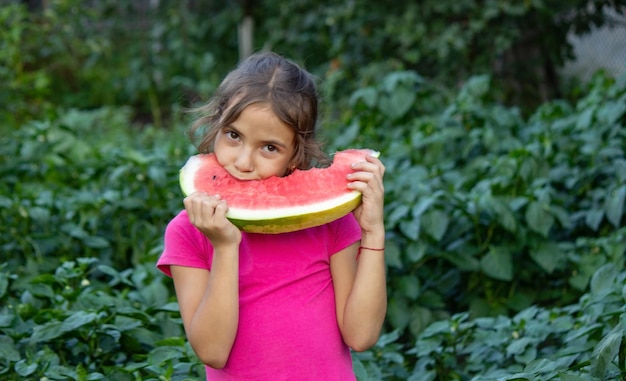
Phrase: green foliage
pixel 88 321
pixel 96 55
pixel 155 55
pixel 583 341
pixel 84 204
pixel 496 227
pixel 506 228
pixel 483 206
pixel 76 187
pixel 522 44
pixel 24 91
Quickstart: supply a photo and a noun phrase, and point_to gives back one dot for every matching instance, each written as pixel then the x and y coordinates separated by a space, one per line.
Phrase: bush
pixel 88 321
pixel 506 234
pixel 583 341
pixel 496 227
pixel 486 211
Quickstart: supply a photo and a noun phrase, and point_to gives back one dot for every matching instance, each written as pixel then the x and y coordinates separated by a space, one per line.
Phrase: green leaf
pixel 78 319
pixel 538 218
pixel 411 228
pixel 393 255
pixel 5 202
pixel 614 205
pixel 159 356
pixel 610 112
pixel 398 312
pixel 359 369
pixel 170 307
pixel 420 319
pixel 4 283
pixel 96 242
pixel 498 264
pixel 435 223
pixel 415 251
pixel 603 280
pixel 548 256
pixel 368 95
pixel 8 350
pixel 348 135
pixel 585 119
pixel 527 356
pixel 6 319
pixel 422 205
pixel 572 377
pixel 462 260
pixel 397 214
pixel 397 103
pixel 47 331
pixel 154 294
pixel 541 366
pixel 506 218
pixel 593 218
pixel 606 351
pixel 24 369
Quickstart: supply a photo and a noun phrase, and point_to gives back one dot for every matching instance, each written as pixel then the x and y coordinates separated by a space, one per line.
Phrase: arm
pixel 360 286
pixel 209 302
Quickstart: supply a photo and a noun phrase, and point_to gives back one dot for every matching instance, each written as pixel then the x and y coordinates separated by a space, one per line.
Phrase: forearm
pixel 213 326
pixel 367 303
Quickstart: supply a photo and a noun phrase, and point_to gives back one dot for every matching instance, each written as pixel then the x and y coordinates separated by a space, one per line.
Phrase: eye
pixel 232 135
pixel 271 148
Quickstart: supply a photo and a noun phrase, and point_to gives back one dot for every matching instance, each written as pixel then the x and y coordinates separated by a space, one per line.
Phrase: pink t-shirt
pixel 287 319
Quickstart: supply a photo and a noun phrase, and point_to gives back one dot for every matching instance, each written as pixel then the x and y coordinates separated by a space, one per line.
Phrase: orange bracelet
pixel 358 253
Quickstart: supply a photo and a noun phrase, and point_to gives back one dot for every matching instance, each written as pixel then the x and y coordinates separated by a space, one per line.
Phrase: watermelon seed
pixel 214 177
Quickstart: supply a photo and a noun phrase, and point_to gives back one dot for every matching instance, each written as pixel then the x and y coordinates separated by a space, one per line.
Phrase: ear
pixel 290 169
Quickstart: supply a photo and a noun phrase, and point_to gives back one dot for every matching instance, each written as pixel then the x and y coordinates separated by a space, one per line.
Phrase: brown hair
pixel 272 80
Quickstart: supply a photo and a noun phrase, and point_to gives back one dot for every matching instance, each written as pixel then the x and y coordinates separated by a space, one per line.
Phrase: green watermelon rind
pixel 286 224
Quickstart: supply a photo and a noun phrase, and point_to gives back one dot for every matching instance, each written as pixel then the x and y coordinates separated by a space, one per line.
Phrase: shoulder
pixel 184 245
pixel 179 227
pixel 342 232
pixel 347 223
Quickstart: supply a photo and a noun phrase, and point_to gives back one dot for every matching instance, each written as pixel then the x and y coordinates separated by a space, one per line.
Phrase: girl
pixel 277 306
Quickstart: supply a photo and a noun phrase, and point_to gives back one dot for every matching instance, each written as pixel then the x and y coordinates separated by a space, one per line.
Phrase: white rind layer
pixel 270 214
pixel 186 175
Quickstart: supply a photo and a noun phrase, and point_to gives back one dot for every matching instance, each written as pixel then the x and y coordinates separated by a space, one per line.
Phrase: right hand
pixel 208 214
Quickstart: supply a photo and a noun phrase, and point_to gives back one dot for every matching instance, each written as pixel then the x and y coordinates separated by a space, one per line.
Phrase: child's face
pixel 256 146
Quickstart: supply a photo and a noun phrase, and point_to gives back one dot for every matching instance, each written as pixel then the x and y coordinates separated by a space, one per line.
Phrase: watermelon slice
pixel 304 199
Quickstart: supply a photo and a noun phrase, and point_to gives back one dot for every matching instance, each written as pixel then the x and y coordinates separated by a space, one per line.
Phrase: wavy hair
pixel 274 81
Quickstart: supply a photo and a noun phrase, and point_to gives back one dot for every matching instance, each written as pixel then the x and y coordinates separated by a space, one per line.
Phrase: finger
pixel 364 180
pixel 373 167
pixel 220 210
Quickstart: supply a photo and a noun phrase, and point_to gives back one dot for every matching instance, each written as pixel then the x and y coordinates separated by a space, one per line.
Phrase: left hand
pixel 368 179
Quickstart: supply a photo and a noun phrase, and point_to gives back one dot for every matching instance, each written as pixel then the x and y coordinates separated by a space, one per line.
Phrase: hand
pixel 368 179
pixel 208 214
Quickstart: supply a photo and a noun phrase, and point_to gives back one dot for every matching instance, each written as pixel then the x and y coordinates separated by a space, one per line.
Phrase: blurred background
pixel 501 123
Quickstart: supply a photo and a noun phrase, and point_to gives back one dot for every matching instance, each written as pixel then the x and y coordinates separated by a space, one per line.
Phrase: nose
pixel 243 162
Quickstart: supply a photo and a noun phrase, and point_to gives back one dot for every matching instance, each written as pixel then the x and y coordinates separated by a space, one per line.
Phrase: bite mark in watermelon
pixel 304 199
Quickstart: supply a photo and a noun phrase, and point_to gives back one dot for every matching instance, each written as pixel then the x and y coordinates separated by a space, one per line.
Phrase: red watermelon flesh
pixel 304 199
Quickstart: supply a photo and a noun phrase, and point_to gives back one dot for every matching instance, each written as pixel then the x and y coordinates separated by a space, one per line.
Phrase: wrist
pixel 226 247
pixel 373 239
pixel 379 250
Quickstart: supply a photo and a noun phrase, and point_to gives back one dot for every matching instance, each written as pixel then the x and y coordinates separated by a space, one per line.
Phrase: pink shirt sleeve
pixel 346 231
pixel 184 245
